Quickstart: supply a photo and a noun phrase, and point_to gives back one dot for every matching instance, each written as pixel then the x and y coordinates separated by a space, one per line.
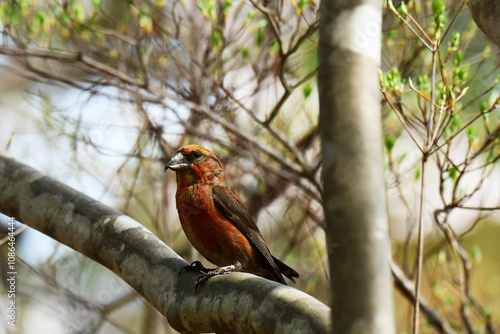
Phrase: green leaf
pixel 24 5
pixel 403 8
pixel 389 142
pixel 476 253
pixel 216 38
pixel 490 156
pixel 260 38
pixel 275 46
pixel 245 52
pixel 417 174
pixel 206 7
pixel 455 40
pixel 439 21
pixel 307 90
pixel 251 14
pixel 453 43
pixel 200 5
pixel 423 83
pixel 96 4
pixel 458 59
pixel 227 5
pixel 442 96
pixel 422 79
pixel 40 16
pixel 394 81
pixel 79 12
pixel 146 23
pixel 462 73
pixel 453 173
pixel 471 133
pixel 438 6
pixel 401 158
pixel 486 118
pixel 303 3
pixel 64 17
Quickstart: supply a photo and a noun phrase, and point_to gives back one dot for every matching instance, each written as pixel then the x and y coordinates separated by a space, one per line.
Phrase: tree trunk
pixel 353 177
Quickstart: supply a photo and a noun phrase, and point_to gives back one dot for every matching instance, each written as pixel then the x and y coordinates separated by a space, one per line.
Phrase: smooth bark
pixel 353 178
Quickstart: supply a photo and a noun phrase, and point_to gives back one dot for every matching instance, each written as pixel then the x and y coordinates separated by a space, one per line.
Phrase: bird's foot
pixel 215 272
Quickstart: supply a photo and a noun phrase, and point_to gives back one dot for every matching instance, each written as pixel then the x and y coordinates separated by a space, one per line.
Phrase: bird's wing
pixel 229 204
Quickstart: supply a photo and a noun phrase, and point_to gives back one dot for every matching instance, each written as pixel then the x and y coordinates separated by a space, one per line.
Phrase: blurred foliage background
pixel 99 94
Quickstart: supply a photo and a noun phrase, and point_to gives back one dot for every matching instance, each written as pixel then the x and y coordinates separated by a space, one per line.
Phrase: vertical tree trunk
pixel 353 178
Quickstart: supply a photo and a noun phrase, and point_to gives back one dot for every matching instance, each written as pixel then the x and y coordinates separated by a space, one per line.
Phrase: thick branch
pixel 236 303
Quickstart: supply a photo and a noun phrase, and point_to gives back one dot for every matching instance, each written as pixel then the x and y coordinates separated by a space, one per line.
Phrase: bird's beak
pixel 177 162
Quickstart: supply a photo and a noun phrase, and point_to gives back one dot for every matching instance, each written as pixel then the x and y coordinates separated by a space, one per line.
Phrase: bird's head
pixel 196 164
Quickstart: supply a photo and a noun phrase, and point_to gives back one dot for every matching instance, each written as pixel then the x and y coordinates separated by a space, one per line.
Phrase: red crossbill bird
pixel 216 221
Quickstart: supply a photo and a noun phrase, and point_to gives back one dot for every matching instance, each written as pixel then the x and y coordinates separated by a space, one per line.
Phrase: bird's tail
pixel 286 270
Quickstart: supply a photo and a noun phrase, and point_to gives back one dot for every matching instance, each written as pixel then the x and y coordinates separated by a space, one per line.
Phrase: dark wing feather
pixel 286 270
pixel 229 204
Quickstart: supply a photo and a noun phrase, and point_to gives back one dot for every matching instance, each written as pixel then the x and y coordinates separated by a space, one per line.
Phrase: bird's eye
pixel 197 155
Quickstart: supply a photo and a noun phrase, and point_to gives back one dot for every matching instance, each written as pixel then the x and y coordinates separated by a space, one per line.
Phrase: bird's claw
pixel 213 272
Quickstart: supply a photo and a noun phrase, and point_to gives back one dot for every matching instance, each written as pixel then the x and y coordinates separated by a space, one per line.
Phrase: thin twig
pixel 420 248
pixel 423 41
pixel 400 117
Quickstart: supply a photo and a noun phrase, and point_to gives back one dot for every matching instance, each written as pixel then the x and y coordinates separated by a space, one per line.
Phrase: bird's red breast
pixel 215 237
